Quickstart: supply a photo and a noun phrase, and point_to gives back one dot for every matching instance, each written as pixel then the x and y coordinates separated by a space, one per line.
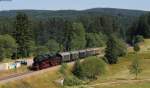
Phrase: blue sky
pixel 73 4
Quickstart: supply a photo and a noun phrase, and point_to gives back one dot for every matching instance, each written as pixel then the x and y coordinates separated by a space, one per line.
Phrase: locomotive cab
pixel 45 61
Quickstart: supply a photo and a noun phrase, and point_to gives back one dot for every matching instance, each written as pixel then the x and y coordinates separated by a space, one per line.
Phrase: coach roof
pixel 64 53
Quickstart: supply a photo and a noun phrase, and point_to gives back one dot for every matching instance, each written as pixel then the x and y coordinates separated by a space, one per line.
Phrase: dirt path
pixel 120 82
pixel 108 83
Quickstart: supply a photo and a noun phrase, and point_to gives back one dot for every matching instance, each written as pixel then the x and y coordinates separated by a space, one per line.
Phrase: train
pixel 49 60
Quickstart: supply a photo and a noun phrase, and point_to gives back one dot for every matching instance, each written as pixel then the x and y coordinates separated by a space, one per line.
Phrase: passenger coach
pixel 49 60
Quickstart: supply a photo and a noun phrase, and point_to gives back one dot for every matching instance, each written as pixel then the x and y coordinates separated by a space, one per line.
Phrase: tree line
pixel 28 36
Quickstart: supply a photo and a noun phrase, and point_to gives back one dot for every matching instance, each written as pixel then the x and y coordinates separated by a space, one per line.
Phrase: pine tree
pixel 111 51
pixel 22 34
pixel 94 40
pixel 74 36
pixel 143 27
pixel 67 35
pixel 52 45
pixel 78 37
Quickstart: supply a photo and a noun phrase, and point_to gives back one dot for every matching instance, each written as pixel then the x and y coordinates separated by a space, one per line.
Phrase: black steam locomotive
pixel 49 60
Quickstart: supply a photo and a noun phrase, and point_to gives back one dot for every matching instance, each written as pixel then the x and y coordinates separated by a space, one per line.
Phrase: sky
pixel 73 4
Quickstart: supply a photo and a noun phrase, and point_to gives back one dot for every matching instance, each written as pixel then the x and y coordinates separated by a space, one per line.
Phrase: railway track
pixel 13 77
pixel 20 76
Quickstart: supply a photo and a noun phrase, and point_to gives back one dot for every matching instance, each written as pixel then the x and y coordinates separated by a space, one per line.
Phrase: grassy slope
pixel 13 71
pixel 6 73
pixel 120 71
pixel 41 81
pixel 115 73
pixel 46 80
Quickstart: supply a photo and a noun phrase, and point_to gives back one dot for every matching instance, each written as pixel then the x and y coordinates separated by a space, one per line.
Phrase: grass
pixel 45 80
pixel 6 73
pixel 120 71
pixel 127 85
pixel 115 73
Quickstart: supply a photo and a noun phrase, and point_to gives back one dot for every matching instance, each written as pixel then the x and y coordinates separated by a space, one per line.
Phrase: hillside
pixel 117 75
pixel 66 13
pixel 124 16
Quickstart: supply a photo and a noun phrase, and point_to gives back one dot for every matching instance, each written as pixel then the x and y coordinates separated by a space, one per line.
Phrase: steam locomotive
pixel 48 60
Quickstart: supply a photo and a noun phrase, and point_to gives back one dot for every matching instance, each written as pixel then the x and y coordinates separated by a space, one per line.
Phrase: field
pixel 21 69
pixel 46 80
pixel 117 76
pixel 13 71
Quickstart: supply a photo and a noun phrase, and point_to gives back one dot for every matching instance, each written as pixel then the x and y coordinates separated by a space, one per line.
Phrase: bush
pixel 77 69
pixel 121 47
pixel 135 67
pixel 136 48
pixel 72 81
pixel 105 59
pixel 90 68
pixel 63 69
pixel 138 39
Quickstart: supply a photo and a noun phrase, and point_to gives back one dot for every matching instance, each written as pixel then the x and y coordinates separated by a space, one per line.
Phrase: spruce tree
pixel 78 37
pixel 74 36
pixel 67 35
pixel 22 34
pixel 111 51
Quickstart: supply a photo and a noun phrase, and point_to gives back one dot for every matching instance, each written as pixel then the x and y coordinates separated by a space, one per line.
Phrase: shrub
pixel 135 67
pixel 105 59
pixel 121 47
pixel 77 69
pixel 72 81
pixel 136 48
pixel 90 68
pixel 63 69
pixel 138 39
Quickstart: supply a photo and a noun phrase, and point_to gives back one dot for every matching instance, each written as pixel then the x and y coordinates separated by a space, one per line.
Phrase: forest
pixel 25 33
